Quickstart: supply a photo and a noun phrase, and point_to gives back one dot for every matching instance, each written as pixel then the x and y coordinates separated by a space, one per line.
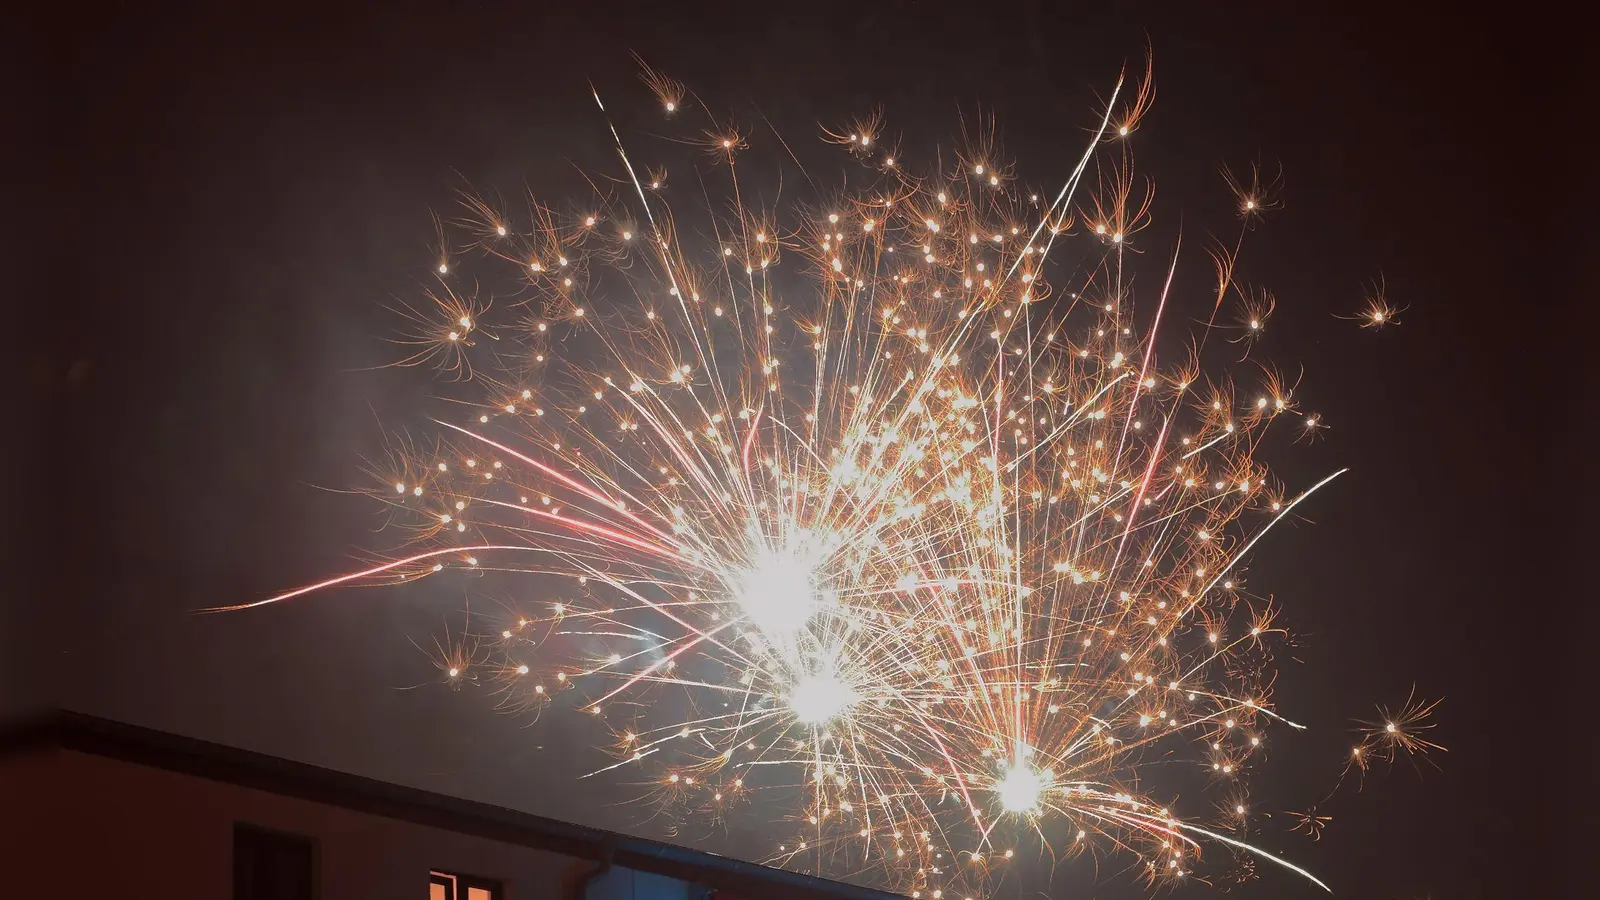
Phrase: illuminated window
pixel 272 865
pixel 453 886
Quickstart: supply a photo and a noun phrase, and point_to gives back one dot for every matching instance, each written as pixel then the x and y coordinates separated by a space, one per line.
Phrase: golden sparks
pixel 880 508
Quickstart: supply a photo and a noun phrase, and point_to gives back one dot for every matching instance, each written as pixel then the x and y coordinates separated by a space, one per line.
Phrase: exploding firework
pixel 878 512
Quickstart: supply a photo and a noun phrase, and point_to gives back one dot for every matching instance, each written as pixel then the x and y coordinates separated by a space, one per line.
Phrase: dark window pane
pixel 269 865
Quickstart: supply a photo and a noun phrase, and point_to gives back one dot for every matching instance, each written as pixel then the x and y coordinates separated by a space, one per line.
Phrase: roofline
pixel 68 730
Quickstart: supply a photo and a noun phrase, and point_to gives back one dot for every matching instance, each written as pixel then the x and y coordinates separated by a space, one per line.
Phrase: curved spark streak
pixel 368 573
pixel 1258 852
pixel 576 485
pixel 1263 532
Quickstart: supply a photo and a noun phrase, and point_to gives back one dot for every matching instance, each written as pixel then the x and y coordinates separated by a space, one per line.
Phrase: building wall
pixel 134 831
pixel 32 827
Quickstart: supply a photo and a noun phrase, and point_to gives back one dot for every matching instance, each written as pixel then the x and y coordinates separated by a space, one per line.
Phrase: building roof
pixel 217 762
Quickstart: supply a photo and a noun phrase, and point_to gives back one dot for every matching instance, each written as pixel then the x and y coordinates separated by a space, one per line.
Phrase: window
pixel 272 865
pixel 449 886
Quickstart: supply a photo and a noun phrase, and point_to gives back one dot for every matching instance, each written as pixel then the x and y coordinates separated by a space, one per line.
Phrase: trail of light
pixel 593 528
pixel 693 642
pixel 367 573
pixel 1077 174
pixel 570 482
pixel 1211 443
pixel 1259 535
pixel 1258 852
pixel 750 439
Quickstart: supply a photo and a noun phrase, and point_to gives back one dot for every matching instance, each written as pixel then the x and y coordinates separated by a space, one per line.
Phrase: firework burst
pixel 878 511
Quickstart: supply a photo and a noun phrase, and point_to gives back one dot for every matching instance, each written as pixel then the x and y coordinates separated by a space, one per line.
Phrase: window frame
pixel 457 884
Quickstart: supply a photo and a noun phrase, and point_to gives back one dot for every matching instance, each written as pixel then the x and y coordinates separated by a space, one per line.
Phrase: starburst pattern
pixel 1398 732
pixel 1309 823
pixel 879 512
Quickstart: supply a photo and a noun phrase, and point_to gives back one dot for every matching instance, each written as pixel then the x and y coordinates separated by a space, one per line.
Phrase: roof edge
pixel 70 730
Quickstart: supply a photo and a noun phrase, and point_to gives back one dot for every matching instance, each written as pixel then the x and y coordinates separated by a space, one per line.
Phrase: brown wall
pixel 30 853
pixel 127 831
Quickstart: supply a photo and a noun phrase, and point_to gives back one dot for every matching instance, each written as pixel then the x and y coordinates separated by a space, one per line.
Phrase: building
pixel 94 808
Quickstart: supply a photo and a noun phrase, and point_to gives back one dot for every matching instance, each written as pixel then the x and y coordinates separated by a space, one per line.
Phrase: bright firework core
pixel 779 593
pixel 818 698
pixel 1020 787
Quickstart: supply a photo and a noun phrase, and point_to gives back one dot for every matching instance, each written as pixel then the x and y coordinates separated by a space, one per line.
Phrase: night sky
pixel 253 192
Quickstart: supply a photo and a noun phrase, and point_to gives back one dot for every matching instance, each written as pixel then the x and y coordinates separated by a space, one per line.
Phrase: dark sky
pixel 252 190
